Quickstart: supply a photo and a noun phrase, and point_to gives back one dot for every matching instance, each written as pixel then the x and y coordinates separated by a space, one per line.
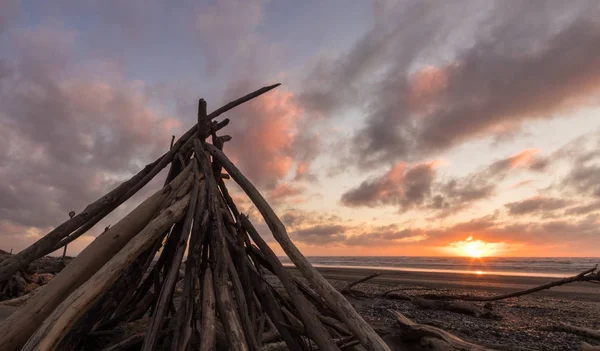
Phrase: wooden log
pixel 306 311
pixel 19 301
pixel 274 312
pixel 582 331
pixel 105 304
pixel 29 317
pixel 209 318
pixel 341 343
pixel 55 327
pixel 124 302
pixel 412 331
pixel 454 306
pixel 588 275
pixel 95 211
pixel 127 343
pixel 334 298
pixel 587 347
pixel 227 309
pixel 348 288
pixel 315 299
pixel 240 286
pixel 183 327
pixel 168 285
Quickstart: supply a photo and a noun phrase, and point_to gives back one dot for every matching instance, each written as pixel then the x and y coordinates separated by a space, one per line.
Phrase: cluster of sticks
pixel 438 339
pixel 116 284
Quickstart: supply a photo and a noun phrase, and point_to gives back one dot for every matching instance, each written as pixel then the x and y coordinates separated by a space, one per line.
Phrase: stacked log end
pixel 126 289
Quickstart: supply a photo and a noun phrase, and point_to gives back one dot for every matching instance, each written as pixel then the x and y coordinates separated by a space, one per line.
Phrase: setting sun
pixel 474 249
pixel 471 247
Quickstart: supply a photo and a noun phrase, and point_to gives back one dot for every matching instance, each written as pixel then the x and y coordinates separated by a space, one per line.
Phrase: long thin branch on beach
pixel 589 275
pixel 564 327
pixel 348 288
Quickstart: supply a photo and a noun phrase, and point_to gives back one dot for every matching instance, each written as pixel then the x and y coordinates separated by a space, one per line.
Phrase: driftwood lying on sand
pixel 587 347
pixel 412 331
pixel 420 302
pixel 589 275
pixel 587 332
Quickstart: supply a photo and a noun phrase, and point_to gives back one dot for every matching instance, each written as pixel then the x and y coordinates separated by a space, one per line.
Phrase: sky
pixel 401 128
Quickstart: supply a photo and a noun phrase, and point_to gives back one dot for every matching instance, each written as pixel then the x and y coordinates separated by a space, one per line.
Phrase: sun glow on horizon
pixel 475 248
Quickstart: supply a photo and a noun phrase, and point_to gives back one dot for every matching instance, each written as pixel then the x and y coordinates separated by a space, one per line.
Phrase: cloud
pixel 513 70
pixel 9 11
pixel 584 209
pixel 536 205
pixel 69 136
pixel 285 191
pixel 401 185
pixel 417 186
pixel 265 133
pixel 385 236
pixel 320 234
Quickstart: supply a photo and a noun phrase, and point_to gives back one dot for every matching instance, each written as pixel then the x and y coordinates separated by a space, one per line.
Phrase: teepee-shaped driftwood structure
pixel 226 302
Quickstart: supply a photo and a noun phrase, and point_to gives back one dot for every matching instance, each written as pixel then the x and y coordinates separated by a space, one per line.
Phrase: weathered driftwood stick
pixel 336 301
pixel 274 312
pixel 101 207
pixel 242 287
pixel 225 305
pixel 127 343
pixel 168 285
pixel 183 327
pixel 454 306
pixel 19 301
pixel 306 311
pixel 341 343
pixel 16 332
pixel 587 275
pixel 315 299
pixel 587 347
pixel 209 318
pixel 412 331
pixel 587 332
pixel 56 326
pixel 124 303
pixel 270 336
pixel 348 288
pixel 106 304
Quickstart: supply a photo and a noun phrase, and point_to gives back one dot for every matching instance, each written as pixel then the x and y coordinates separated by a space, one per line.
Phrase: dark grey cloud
pixel 584 209
pixel 401 185
pixel 321 234
pixel 525 62
pixel 536 205
pixel 386 235
pixel 417 186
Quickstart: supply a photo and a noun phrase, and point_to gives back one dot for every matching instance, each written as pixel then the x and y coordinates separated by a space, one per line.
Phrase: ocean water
pixel 513 266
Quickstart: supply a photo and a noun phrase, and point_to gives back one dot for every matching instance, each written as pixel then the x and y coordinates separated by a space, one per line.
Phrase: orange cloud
pixel 263 137
pixel 426 84
pixel 284 191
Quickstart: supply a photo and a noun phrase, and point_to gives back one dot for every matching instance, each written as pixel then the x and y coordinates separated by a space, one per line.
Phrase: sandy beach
pixel 522 321
pixel 459 282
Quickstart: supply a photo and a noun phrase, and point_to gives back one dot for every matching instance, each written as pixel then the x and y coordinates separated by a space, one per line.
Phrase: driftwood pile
pixel 116 296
